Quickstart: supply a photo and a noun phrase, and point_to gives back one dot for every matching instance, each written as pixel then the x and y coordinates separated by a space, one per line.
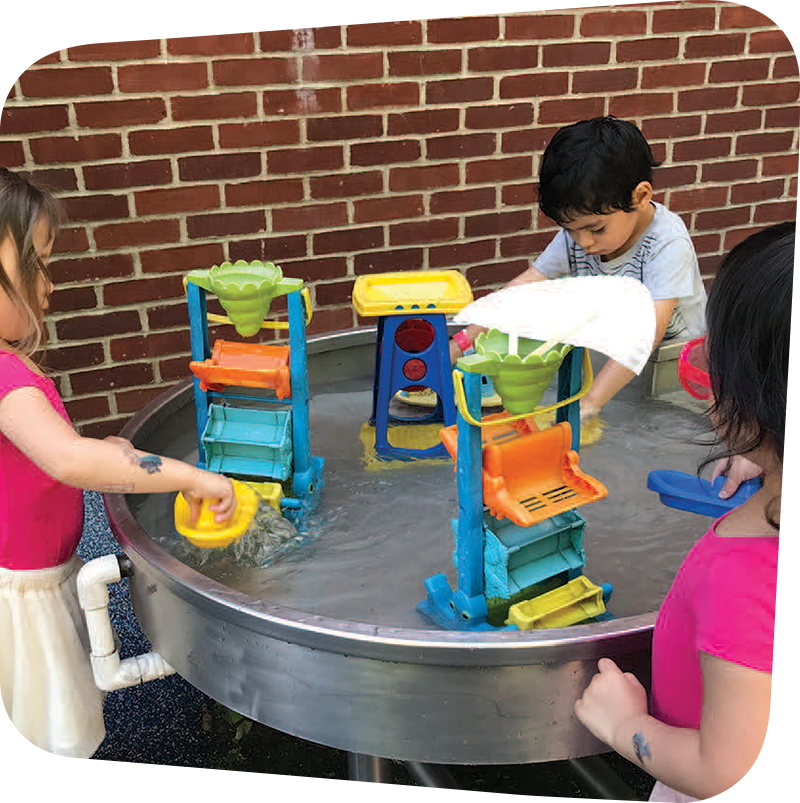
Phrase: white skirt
pixel 45 675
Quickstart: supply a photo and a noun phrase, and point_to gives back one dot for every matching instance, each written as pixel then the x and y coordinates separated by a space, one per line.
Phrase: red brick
pixel 375 96
pixel 461 146
pixel 136 233
pixel 149 142
pixel 772 142
pixel 260 134
pixel 334 294
pixel 681 75
pixel 770 42
pixel 104 379
pixel 305 160
pixel 129 174
pixel 463 29
pixel 72 299
pixel 616 22
pixel 757 192
pixel 59 180
pixel 214 45
pixel 743 17
pixel 682 175
pixel 424 231
pixel 396 207
pixel 642 104
pixel 739 71
pixel 316 269
pixel 71 240
pixel 91 208
pixel 303 100
pixel 495 275
pixel 714 46
pixel 569 110
pixel 576 54
pixel 277 41
pixel 12 154
pixel 671 127
pixel 648 49
pixel 513 168
pixel 497 223
pixel 254 71
pixel 182 258
pixel 424 62
pixel 67 358
pixel 605 81
pixel 679 20
pixel 540 26
pixel 499 116
pixel 505 57
pixel 693 100
pixel 52 150
pixel 384 34
pixel 51 58
pixel 342 66
pixel 321 129
pixel 331 320
pixel 384 261
pixel 116 294
pixel 462 90
pixel 348 240
pixel 403 179
pixel 534 85
pixel 525 245
pixel 707 243
pixel 779 165
pixel 177 199
pixel 529 140
pixel 785 67
pixel 733 121
pixel 124 349
pixel 276 249
pixel 722 218
pixel 728 172
pixel 264 193
pixel 118 113
pixel 167 316
pixel 82 409
pixel 698 198
pixel 219 166
pixel 433 121
pixel 775 213
pixel 66 82
pixel 85 327
pixel 448 256
pixel 347 185
pixel 172 77
pixel 309 217
pixel 519 194
pixel 225 224
pixel 132 401
pixel 699 149
pixel 384 152
pixel 224 105
pixel 769 94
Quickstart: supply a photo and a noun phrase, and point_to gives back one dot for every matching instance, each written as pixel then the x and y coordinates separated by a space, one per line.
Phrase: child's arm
pixel 612 377
pixel 703 762
pixel 29 421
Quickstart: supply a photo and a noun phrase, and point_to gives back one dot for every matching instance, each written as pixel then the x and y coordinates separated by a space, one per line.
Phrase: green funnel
pixel 245 290
pixel 520 379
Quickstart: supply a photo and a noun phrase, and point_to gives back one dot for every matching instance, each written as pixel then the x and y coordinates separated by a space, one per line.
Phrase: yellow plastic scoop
pixel 206 532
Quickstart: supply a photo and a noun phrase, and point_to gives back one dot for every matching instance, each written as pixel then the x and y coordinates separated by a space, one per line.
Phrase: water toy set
pixel 518 552
pixel 411 349
pixel 251 399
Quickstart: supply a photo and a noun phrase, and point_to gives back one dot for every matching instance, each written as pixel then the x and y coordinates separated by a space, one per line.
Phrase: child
pixel 45 676
pixel 712 643
pixel 595 181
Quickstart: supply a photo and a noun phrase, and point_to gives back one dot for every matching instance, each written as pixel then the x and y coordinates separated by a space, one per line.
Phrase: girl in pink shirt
pixel 712 643
pixel 45 677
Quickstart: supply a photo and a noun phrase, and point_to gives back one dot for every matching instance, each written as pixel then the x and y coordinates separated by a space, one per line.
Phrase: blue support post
pixel 201 350
pixel 569 383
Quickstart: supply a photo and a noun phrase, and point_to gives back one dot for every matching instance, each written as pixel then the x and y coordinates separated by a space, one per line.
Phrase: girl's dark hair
pixel 22 205
pixel 749 318
pixel 592 168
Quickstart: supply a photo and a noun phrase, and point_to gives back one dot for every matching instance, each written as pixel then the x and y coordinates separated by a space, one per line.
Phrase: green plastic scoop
pixel 245 290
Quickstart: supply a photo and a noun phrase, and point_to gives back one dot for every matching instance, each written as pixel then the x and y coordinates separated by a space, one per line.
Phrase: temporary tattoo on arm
pixel 641 748
pixel 150 463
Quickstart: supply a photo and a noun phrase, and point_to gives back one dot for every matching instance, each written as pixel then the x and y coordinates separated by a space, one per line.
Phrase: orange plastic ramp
pixel 255 365
pixel 496 430
pixel 532 477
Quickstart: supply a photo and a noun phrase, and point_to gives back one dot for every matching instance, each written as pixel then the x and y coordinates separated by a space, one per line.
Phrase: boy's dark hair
pixel 749 318
pixel 592 168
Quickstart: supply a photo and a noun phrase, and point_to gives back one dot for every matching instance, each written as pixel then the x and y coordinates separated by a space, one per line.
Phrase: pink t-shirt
pixel 40 519
pixel 722 602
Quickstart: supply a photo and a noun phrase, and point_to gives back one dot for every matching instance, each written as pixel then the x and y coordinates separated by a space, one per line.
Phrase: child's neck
pixel 753 517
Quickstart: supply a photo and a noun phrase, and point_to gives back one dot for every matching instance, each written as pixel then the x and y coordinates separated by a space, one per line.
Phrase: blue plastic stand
pixel 683 491
pixel 390 361
pixel 258 456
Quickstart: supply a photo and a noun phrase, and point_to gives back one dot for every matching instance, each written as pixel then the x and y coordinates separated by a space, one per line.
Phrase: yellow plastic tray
pixel 402 292
pixel 576 601
pixel 206 532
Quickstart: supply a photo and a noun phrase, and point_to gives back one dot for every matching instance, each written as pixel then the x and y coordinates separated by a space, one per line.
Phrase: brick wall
pixel 340 151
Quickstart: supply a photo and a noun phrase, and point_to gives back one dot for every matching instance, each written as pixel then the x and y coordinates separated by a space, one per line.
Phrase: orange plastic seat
pixel 497 433
pixel 535 476
pixel 254 365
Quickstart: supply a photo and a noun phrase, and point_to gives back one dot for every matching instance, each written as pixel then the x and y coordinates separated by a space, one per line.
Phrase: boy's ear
pixel 642 194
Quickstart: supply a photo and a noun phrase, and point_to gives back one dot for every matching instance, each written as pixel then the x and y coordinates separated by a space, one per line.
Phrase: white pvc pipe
pixel 109 672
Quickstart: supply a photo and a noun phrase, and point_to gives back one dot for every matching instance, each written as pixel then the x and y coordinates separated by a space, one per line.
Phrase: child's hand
pixel 208 485
pixel 588 409
pixel 738 469
pixel 611 699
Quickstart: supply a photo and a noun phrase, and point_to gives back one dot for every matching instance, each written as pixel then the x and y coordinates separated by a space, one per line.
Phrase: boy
pixel 595 181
